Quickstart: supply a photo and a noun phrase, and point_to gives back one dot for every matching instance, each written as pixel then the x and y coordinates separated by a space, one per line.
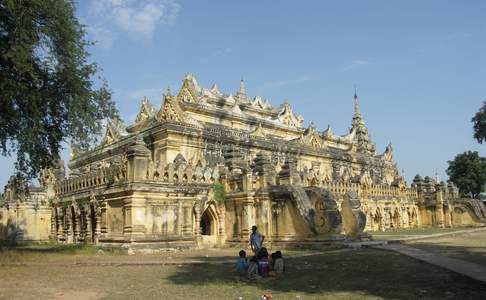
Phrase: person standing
pixel 256 240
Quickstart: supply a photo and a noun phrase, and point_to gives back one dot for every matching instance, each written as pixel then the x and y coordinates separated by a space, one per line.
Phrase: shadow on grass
pixel 364 272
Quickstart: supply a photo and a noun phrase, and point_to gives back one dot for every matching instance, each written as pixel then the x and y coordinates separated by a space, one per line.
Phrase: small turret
pixel 242 92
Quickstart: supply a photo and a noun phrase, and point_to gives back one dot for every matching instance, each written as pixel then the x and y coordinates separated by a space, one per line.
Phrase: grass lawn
pixel 324 274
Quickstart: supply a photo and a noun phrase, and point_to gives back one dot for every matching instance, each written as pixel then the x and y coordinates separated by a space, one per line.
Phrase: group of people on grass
pixel 260 265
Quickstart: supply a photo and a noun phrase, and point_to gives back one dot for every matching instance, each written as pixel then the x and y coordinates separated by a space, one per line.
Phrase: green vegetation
pixel 479 121
pixel 468 172
pixel 219 192
pixel 48 92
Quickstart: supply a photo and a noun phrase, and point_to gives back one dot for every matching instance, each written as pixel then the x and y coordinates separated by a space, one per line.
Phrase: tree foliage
pixel 468 172
pixel 479 121
pixel 48 95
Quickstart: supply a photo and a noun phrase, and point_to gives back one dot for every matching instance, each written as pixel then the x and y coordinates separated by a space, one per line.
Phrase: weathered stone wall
pixel 25 214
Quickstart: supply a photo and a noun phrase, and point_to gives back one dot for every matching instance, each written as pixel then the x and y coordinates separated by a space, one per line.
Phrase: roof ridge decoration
pixel 215 90
pixel 311 137
pixel 115 129
pixel 287 117
pixel 259 131
pixel 146 112
pixel 171 111
pixel 190 90
pixel 388 154
pixel 236 109
pixel 259 103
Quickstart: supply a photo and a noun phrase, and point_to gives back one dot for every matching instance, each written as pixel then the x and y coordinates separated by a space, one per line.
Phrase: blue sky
pixel 420 66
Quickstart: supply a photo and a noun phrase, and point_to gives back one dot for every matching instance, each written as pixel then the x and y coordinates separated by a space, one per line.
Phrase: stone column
pixel 97 225
pixel 61 233
pixel 197 231
pixel 136 212
pixel 179 218
pixel 244 228
pixel 77 227
pixel 127 215
pixel 54 224
pixel 247 218
pixel 69 227
pixel 222 230
pixel 103 218
pixel 187 225
pixel 439 208
pixel 89 226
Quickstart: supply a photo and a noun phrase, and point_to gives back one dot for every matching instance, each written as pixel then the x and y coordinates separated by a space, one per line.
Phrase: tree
pixel 48 95
pixel 468 172
pixel 479 121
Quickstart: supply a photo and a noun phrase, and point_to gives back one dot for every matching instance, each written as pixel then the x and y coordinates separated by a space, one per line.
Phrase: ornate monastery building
pixel 205 166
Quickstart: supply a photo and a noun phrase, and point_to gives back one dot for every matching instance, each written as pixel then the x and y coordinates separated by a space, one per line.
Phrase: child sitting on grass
pixel 252 272
pixel 278 263
pixel 242 264
pixel 263 263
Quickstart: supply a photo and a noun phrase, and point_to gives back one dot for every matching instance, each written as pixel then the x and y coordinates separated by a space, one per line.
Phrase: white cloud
pixel 356 63
pixel 137 18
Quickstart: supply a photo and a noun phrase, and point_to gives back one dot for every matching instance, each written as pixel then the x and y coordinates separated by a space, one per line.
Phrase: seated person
pixel 278 263
pixel 252 272
pixel 242 264
pixel 263 263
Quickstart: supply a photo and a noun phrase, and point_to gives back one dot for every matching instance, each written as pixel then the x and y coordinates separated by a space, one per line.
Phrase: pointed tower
pixel 362 138
pixel 241 95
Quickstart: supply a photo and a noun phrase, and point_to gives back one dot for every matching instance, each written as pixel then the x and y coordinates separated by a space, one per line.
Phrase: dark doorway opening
pixel 206 223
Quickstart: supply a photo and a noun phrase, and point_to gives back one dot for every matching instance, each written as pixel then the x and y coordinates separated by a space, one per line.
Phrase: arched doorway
pixel 208 226
pixel 207 223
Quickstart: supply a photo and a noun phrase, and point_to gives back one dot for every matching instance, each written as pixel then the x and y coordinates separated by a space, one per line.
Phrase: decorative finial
pixel 167 91
pixel 242 91
pixel 356 106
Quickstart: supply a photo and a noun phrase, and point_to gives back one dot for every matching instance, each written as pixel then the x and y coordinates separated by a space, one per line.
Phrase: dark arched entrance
pixel 206 223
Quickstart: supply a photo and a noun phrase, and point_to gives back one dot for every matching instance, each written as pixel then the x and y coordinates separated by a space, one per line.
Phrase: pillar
pixel 89 226
pixel 69 230
pixel 77 227
pixel 187 225
pixel 135 210
pixel 97 233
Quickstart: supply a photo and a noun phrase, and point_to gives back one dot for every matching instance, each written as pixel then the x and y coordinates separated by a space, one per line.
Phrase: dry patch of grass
pixel 466 246
pixel 412 232
pixel 326 274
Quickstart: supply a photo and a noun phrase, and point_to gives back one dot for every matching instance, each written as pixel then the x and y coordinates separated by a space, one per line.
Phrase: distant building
pixel 25 214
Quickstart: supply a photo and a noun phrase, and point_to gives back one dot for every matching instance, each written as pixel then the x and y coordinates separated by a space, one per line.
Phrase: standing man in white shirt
pixel 256 240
